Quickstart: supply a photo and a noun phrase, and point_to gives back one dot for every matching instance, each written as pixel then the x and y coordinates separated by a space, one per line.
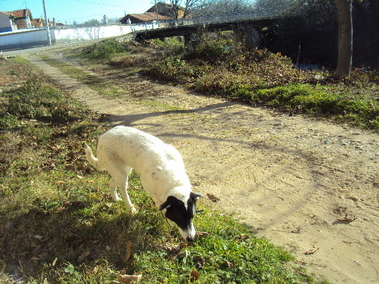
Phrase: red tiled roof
pixel 19 13
pixel 150 16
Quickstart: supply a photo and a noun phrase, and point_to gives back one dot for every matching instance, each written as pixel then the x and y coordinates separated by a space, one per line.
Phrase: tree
pixel 345 38
pixel 267 6
pixel 176 8
pixel 92 21
pixel 218 7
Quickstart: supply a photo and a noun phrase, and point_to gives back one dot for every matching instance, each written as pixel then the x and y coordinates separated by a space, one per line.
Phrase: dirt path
pixel 309 186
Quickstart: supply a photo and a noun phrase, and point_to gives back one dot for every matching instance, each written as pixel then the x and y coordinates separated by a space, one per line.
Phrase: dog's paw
pixel 133 210
pixel 116 198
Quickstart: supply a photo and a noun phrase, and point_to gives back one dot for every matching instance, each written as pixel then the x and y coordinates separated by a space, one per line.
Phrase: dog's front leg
pixel 127 200
pixel 125 196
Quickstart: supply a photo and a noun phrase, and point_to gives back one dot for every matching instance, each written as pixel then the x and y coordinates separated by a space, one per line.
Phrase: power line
pixel 108 13
pixel 96 3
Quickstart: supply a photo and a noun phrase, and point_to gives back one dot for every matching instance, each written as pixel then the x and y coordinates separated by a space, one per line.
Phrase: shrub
pixel 211 51
pixel 105 49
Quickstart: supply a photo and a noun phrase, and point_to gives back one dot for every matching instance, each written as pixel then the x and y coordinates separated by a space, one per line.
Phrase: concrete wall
pixel 34 37
pixel 23 39
pixel 5 23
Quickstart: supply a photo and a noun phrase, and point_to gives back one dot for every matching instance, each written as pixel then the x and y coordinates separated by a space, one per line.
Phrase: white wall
pixel 5 23
pixel 22 38
pixel 33 37
pixel 88 33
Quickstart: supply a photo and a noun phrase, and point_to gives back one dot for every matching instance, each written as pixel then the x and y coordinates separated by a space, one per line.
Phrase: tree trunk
pixel 345 38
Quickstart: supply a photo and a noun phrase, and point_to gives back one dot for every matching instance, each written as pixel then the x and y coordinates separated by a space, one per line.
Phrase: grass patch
pixel 95 82
pixel 58 225
pixel 358 110
pixel 105 49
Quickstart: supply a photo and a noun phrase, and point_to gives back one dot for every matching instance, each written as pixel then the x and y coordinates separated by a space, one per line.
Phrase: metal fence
pixel 223 18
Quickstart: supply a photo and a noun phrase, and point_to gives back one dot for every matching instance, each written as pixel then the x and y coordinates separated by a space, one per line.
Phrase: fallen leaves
pixel 311 251
pixel 128 250
pixel 212 197
pixel 345 220
pixel 129 278
pixel 83 256
pixel 194 275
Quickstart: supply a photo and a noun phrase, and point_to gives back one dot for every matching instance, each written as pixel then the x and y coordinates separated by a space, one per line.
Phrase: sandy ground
pixel 309 186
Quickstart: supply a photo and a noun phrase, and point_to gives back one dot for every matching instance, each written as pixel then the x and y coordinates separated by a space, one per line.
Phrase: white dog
pixel 161 169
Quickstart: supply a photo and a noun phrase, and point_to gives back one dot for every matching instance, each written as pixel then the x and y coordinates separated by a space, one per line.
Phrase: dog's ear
pixel 165 205
pixel 195 196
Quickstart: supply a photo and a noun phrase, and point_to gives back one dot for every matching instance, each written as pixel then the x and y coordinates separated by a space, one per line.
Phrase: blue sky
pixel 68 11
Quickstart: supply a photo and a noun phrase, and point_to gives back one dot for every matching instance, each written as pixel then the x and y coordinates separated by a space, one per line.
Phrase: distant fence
pixel 222 18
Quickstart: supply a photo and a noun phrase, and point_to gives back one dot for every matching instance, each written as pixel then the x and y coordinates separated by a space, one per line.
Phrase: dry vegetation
pixel 219 67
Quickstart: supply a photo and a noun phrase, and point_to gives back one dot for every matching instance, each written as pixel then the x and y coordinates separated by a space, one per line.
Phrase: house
pixel 175 12
pixel 160 11
pixel 7 23
pixel 145 17
pixel 40 23
pixel 15 20
pixel 22 18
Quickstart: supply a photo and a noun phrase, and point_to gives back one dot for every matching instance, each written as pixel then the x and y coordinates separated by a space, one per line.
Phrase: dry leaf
pixel 212 197
pixel 129 278
pixel 311 251
pixel 195 275
pixel 54 262
pixel 183 245
pixel 128 250
pixel 83 256
pixel 242 237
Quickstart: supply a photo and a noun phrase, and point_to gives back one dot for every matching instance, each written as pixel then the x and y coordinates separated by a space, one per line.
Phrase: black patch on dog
pixel 177 212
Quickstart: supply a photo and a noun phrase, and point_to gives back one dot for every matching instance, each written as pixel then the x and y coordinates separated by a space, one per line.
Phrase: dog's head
pixel 181 213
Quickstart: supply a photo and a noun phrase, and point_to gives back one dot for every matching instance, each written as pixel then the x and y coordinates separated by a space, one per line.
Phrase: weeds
pixel 35 99
pixel 105 49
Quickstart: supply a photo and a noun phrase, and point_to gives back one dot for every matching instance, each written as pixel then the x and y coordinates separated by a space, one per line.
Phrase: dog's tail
pixel 91 158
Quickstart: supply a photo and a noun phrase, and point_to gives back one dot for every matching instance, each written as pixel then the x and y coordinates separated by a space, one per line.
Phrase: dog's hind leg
pixel 113 188
pixel 123 186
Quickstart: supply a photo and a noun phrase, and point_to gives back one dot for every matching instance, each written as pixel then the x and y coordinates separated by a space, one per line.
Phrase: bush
pixel 211 51
pixel 105 49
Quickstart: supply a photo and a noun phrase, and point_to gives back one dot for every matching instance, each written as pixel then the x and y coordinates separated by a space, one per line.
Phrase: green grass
pixel 358 110
pixel 59 225
pixel 95 82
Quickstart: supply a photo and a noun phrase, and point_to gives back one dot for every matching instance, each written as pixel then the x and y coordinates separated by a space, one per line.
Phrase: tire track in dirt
pixel 296 180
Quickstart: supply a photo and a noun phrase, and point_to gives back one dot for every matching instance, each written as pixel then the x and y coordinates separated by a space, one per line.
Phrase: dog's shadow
pixel 77 233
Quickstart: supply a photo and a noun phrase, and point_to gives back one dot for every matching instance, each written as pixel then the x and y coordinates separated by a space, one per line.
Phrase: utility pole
pixel 47 22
